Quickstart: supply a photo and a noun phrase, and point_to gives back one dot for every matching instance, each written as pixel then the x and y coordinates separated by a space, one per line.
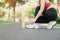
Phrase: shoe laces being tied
pixel 32 26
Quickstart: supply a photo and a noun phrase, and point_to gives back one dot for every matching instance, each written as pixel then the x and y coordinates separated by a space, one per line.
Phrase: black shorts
pixel 48 15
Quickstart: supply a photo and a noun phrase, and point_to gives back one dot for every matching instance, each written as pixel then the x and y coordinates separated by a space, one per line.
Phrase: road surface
pixel 13 31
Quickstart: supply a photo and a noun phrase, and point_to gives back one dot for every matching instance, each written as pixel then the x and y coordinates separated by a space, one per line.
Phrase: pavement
pixel 14 31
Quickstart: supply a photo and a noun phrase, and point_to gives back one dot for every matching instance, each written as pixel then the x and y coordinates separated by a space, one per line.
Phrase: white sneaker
pixel 32 26
pixel 51 24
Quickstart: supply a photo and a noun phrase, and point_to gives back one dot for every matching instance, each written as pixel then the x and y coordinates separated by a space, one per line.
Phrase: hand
pixel 33 21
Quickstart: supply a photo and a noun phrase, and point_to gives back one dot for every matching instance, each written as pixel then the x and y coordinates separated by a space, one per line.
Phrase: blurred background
pixel 12 10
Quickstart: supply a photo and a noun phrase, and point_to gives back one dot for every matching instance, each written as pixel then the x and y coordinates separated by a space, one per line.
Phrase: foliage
pixel 3 22
pixel 11 2
pixel 18 14
pixel 58 20
pixel 51 1
pixel 2 13
pixel 58 2
pixel 22 1
pixel 30 12
pixel 2 4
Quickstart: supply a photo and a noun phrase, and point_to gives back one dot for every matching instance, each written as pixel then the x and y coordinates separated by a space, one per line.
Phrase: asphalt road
pixel 14 31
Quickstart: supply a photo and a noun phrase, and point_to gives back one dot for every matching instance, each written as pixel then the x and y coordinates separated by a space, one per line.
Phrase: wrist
pixel 35 18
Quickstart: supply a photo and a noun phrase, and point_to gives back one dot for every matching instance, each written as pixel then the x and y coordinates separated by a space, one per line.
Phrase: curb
pixel 57 27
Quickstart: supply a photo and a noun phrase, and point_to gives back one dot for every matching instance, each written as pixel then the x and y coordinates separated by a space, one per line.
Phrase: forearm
pixel 39 14
pixel 41 9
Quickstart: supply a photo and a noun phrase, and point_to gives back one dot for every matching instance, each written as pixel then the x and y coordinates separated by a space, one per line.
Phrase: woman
pixel 44 13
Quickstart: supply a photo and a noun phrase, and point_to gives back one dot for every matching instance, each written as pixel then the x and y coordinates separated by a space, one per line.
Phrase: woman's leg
pixel 50 15
pixel 41 19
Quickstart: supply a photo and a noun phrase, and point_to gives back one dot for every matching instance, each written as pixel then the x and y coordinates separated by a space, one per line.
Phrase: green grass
pixel 58 24
pixel 2 22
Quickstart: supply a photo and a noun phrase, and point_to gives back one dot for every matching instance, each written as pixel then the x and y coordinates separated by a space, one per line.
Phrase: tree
pixel 12 3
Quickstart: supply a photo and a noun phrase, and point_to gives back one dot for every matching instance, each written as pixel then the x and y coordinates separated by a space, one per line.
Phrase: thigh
pixel 41 19
pixel 50 14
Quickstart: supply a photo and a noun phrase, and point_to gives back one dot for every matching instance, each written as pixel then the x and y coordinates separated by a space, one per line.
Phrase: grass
pixel 58 24
pixel 3 22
